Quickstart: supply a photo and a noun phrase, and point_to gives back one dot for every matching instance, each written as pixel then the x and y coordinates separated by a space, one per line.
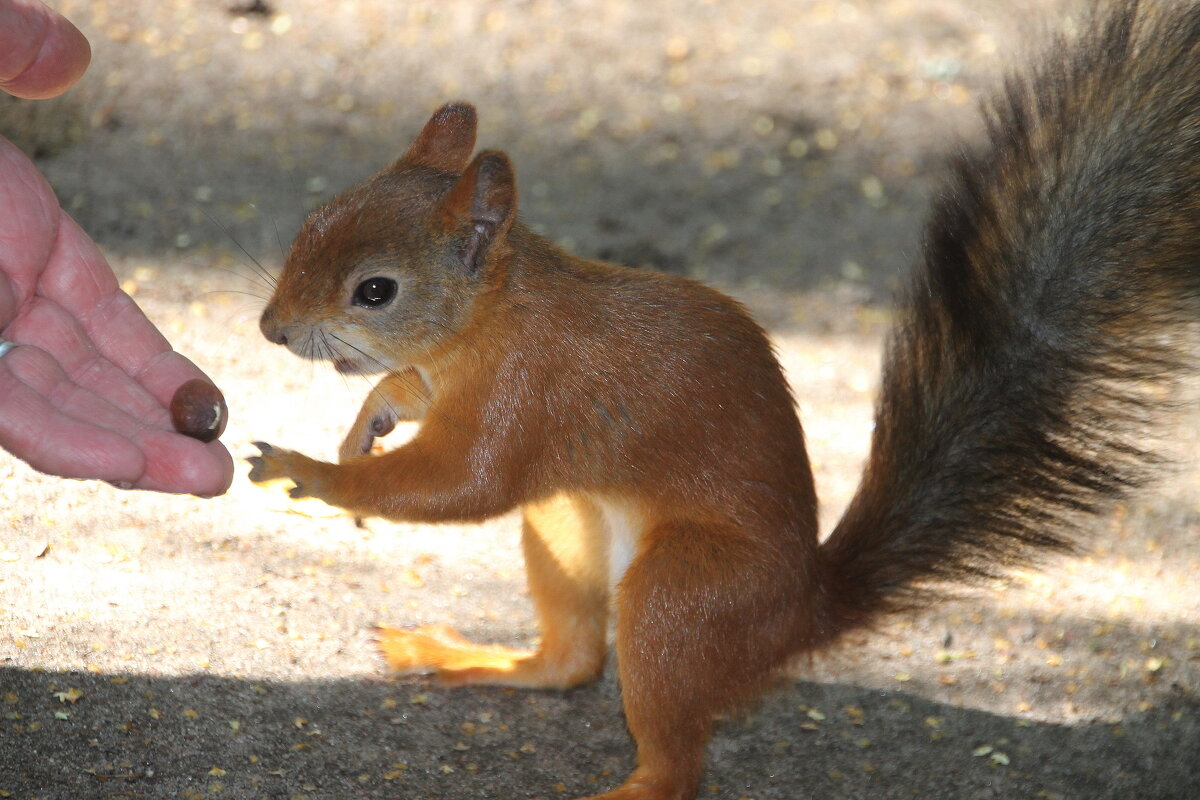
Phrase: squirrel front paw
pixel 367 428
pixel 275 463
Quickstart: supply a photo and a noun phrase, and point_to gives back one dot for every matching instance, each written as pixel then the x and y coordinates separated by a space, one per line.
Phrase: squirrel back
pixel 1042 328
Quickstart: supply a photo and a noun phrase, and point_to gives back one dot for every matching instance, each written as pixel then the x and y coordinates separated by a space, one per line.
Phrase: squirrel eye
pixel 375 292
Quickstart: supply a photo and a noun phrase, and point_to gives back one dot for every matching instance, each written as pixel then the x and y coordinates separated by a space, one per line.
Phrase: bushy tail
pixel 1059 284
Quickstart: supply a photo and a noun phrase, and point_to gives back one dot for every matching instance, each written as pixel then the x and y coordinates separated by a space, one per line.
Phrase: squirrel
pixel 643 425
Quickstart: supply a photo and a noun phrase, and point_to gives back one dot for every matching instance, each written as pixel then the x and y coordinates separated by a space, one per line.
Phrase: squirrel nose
pixel 270 327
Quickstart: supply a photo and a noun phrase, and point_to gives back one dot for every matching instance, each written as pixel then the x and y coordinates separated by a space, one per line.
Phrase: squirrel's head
pixel 390 269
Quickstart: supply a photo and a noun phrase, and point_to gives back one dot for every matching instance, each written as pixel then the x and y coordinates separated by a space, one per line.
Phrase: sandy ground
pixel 165 647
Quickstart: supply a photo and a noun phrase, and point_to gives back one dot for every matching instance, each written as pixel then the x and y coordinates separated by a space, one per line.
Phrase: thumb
pixel 41 52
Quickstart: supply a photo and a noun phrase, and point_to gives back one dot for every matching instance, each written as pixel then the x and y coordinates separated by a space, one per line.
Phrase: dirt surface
pixel 165 647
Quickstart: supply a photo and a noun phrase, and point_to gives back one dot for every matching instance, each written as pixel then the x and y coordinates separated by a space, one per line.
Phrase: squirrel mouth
pixel 346 366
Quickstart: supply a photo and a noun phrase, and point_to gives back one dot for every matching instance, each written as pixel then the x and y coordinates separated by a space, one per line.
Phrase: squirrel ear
pixel 485 200
pixel 446 141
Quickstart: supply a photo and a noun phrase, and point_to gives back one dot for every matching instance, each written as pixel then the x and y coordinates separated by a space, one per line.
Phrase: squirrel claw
pixel 276 463
pixel 268 466
pixel 257 469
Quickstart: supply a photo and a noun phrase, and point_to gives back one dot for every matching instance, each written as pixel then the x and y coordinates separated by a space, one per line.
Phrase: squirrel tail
pixel 1050 315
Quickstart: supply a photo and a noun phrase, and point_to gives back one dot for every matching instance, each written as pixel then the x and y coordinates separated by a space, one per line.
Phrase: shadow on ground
pixel 208 736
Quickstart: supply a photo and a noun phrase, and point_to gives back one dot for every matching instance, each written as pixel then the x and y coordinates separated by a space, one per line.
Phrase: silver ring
pixel 5 346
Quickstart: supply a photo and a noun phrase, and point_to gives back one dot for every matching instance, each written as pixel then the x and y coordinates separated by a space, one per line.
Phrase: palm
pixel 85 393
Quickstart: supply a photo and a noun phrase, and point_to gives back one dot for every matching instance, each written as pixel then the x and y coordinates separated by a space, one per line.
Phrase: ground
pixel 165 647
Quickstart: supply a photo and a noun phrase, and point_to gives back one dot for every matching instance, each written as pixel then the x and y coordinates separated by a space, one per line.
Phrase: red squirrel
pixel 643 426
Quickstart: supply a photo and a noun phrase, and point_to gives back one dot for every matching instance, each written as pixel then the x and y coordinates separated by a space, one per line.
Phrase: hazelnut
pixel 198 410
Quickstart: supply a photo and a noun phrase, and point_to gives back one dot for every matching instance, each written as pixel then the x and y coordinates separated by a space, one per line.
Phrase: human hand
pixel 85 391
pixel 85 388
pixel 41 53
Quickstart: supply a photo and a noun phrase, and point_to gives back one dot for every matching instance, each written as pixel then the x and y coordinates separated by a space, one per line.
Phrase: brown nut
pixel 198 410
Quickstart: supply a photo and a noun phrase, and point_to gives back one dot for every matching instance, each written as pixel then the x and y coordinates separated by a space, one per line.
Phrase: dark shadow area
pixel 206 736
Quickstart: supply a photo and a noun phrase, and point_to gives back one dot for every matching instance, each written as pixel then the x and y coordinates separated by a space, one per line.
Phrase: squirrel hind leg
pixel 563 542
pixel 706 615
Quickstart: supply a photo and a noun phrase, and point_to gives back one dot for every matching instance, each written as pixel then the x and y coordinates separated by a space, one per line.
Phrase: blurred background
pixel 786 143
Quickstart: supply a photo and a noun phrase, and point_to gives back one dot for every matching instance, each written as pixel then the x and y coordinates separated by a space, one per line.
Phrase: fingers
pixel 182 465
pixel 53 330
pixel 54 440
pixel 29 217
pixel 78 278
pixel 105 347
pixel 75 274
pixel 62 428
pixel 41 53
pixel 62 376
